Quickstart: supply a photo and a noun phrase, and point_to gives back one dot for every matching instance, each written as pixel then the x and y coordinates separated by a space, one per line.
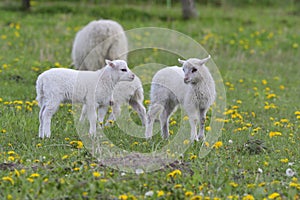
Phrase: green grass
pixel 257 52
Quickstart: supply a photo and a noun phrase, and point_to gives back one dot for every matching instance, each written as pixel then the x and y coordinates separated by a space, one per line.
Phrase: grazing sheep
pixel 97 41
pixel 191 85
pixel 92 88
pixel 105 39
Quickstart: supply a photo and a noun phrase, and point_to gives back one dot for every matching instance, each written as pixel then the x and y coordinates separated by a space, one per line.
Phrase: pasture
pixel 257 156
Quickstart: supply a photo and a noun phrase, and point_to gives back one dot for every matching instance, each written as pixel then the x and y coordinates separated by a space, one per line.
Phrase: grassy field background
pixel 255 46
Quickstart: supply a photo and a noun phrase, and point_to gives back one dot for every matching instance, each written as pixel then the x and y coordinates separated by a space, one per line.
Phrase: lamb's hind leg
pixel 41 119
pixel 46 116
pixel 164 120
pixel 151 115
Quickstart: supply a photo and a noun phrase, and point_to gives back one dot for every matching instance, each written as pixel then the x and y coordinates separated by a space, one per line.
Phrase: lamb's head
pixel 120 70
pixel 191 69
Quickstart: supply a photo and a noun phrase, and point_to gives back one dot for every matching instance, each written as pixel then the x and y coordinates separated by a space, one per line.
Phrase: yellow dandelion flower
pixel 160 193
pixel 274 133
pixel 17 173
pixel 31 180
pixel 96 174
pixel 173 123
pixel 76 169
pixel 262 184
pixel 177 186
pixel 233 184
pixel 270 96
pixel 248 197
pixel 123 197
pixel 188 193
pixel 193 157
pixel 284 160
pixel 186 142
pixel 85 194
pixel 9 179
pixel 218 144
pixel 206 144
pixel 281 87
pixel 208 128
pixel 274 195
pixel 34 175
pixel 297 112
pixel 147 102
pixel 295 45
pixel 264 82
pixel 9 197
pixel 185 118
pixel 65 157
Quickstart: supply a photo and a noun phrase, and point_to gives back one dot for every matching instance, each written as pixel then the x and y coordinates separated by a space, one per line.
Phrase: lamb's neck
pixel 107 80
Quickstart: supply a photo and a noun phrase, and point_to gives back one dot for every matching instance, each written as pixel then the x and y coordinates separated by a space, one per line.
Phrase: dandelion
pixel 186 142
pixel 193 157
pixel 281 87
pixel 34 175
pixel 147 102
pixel 208 128
pixel 284 160
pixel 248 197
pixel 233 184
pixel 264 82
pixel 295 45
pixel 123 197
pixel 218 144
pixel 188 193
pixel 96 174
pixel 174 173
pixel 274 133
pixel 185 118
pixel 177 186
pixel 274 195
pixel 31 180
pixel 9 179
pixel 160 193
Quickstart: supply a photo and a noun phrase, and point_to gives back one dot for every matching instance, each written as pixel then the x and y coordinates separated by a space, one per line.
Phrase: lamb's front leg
pixel 194 121
pixel 202 124
pixel 83 113
pixel 101 113
pixel 92 116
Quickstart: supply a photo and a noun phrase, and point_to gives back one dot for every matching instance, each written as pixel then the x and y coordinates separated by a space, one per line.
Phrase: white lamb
pixel 92 88
pixel 106 39
pixel 191 85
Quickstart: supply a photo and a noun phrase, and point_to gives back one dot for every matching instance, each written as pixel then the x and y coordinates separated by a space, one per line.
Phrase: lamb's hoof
pixel 200 137
pixel 111 103
pixel 109 123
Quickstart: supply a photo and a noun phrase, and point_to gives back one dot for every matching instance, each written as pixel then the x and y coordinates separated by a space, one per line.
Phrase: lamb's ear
pixel 109 63
pixel 204 60
pixel 181 61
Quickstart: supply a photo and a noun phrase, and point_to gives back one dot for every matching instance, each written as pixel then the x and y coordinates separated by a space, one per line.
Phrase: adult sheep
pixel 106 39
pixel 191 85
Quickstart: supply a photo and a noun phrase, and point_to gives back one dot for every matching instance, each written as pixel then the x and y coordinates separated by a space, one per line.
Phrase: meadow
pixel 257 156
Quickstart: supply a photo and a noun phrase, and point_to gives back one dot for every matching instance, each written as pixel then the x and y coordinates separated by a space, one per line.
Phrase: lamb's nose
pixel 185 79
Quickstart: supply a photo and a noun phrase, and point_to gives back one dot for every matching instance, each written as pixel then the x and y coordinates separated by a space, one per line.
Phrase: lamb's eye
pixel 194 70
pixel 124 70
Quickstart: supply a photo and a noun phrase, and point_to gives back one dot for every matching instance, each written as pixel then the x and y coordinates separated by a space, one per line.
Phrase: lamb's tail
pixel 39 91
